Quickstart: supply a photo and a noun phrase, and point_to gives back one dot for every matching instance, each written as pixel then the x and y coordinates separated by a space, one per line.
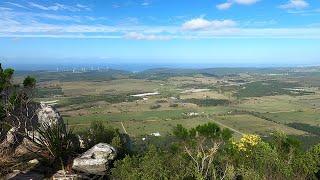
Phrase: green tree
pixel 153 164
pixel 201 145
pixel 17 109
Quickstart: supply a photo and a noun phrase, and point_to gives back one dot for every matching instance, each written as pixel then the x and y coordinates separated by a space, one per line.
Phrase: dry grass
pixel 115 86
pixel 7 161
pixel 14 159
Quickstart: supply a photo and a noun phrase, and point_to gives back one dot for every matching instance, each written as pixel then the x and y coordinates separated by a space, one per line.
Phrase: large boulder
pixel 63 175
pixel 37 116
pixel 48 115
pixel 96 160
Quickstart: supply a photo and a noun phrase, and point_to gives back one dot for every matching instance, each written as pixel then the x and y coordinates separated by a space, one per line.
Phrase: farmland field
pixel 246 101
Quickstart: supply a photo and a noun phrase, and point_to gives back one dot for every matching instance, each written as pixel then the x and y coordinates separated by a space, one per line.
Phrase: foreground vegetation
pixel 207 152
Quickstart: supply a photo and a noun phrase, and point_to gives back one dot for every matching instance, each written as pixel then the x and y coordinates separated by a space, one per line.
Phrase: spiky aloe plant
pixel 55 142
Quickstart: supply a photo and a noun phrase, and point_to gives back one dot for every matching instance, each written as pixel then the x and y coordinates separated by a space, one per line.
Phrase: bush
pixel 154 164
pixel 98 133
pixel 161 101
pixel 206 152
pixel 174 105
pixel 155 106
pixel 56 143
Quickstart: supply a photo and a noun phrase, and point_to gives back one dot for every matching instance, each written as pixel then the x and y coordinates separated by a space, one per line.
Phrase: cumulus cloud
pixel 295 4
pixel 34 25
pixel 200 24
pixel 230 3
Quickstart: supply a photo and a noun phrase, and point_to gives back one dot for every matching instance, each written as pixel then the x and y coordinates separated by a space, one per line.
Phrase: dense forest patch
pixel 207 102
pixel 306 127
pixel 268 88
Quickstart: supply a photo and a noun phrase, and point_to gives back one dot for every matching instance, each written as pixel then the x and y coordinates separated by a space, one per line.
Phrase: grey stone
pixel 48 115
pixel 62 175
pixel 95 160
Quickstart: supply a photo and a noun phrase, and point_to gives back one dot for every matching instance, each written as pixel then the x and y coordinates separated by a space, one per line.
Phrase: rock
pixel 81 142
pixel 48 115
pixel 39 115
pixel 10 138
pixel 96 160
pixel 33 162
pixel 13 174
pixel 63 175
pixel 18 175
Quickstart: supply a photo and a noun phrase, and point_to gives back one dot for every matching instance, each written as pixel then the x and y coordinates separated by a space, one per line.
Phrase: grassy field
pixel 251 124
pixel 265 104
pixel 116 86
pixel 307 117
pixel 262 102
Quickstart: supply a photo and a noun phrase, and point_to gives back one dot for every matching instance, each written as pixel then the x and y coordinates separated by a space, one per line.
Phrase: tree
pixel 201 144
pixel 153 164
pixel 17 112
pixel 29 82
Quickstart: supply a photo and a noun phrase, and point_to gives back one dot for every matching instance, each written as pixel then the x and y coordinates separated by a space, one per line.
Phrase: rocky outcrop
pixel 38 115
pixel 63 175
pixel 19 175
pixel 96 160
pixel 48 115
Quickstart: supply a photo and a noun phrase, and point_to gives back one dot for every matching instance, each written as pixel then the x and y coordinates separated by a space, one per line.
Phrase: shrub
pixel 161 101
pixel 174 105
pixel 6 162
pixel 155 106
pixel 56 143
pixel 98 133
pixel 153 164
pixel 201 145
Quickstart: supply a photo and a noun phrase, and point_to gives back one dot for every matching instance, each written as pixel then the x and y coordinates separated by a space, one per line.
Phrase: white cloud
pixel 58 6
pixel 145 4
pixel 140 36
pixel 224 6
pixel 16 4
pixel 241 33
pixel 115 6
pixel 5 9
pixel 295 4
pixel 84 7
pixel 59 36
pixel 43 7
pixel 31 24
pixel 200 24
pixel 229 3
pixel 246 2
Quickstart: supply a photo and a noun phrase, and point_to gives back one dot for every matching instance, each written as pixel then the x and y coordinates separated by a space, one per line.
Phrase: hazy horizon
pixel 141 66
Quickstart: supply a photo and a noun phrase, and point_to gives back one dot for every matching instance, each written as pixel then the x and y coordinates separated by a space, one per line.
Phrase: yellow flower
pixel 246 142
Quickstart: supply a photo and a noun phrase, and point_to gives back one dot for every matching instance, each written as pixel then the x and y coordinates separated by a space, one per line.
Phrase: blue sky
pixel 160 31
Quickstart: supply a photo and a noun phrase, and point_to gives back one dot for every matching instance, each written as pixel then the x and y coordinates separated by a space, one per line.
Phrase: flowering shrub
pixel 247 142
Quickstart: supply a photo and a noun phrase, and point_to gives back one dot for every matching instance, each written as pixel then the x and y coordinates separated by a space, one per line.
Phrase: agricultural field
pixel 258 101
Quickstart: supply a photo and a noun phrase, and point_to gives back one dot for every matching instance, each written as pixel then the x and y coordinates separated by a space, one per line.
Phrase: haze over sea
pixel 136 67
